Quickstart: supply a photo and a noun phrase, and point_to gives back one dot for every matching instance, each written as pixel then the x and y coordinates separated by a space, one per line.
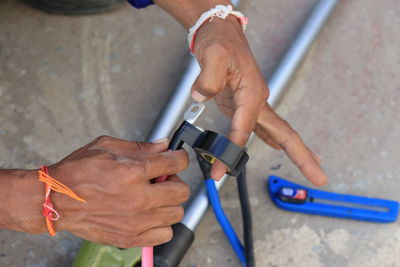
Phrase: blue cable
pixel 213 197
pixel 140 3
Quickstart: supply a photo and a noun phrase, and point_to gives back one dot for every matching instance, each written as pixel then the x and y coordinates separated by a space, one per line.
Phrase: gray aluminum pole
pixel 174 109
pixel 298 49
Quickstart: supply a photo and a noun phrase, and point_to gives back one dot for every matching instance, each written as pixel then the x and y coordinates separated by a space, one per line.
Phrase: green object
pixel 95 255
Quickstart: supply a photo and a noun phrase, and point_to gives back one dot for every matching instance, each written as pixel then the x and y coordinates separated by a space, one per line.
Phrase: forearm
pixel 187 12
pixel 21 195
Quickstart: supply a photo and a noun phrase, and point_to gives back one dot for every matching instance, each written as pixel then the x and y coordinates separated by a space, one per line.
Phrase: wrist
pixel 219 12
pixel 188 12
pixel 223 31
pixel 230 21
pixel 21 201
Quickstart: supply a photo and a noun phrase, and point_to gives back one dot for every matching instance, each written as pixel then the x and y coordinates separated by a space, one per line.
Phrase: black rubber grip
pixel 210 144
pixel 170 254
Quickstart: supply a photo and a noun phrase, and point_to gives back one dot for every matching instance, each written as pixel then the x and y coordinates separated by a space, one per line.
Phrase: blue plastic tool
pixel 324 203
pixel 140 3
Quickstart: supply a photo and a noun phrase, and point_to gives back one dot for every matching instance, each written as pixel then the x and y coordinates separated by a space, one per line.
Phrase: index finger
pixel 243 123
pixel 245 117
pixel 281 132
pixel 127 148
pixel 161 164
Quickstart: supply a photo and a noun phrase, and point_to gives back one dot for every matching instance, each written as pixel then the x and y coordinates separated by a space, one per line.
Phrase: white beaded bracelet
pixel 219 11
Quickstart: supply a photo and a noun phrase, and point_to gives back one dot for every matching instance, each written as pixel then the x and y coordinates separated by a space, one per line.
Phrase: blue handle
pixel 140 3
pixel 335 205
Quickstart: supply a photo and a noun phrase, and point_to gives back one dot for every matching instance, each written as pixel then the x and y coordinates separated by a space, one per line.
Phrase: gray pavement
pixel 66 80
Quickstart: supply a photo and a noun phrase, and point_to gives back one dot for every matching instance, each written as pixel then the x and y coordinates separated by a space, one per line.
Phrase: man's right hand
pixel 123 208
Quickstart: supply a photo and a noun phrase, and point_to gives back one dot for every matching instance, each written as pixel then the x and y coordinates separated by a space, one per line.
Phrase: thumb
pixel 212 78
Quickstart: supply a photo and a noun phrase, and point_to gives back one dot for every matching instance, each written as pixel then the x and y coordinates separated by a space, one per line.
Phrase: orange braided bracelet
pixel 48 208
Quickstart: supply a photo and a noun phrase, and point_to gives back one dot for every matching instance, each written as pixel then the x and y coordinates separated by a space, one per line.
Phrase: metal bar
pixel 175 107
pixel 298 49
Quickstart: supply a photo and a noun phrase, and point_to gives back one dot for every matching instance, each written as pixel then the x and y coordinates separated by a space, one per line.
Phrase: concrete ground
pixel 66 80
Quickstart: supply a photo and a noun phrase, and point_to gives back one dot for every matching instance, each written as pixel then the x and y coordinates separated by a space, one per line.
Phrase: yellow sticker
pixel 208 157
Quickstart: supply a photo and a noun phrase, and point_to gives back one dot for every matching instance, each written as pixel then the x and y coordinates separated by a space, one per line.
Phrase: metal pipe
pixel 298 49
pixel 196 209
pixel 173 110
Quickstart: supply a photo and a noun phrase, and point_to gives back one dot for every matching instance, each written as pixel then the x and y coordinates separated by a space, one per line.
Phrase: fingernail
pixel 198 97
pixel 162 140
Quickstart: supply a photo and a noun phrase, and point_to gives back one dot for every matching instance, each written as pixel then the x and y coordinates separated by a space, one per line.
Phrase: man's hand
pixel 230 75
pixel 123 208
pixel 277 133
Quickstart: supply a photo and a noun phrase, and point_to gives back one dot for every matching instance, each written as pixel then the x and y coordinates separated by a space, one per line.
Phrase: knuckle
pixel 172 163
pixel 146 165
pixel 291 133
pixel 178 161
pixel 207 87
pixel 242 135
pixel 180 212
pixel 184 192
pixel 141 202
pixel 173 215
pixel 185 159
pixel 140 147
pixel 142 168
pixel 127 169
pixel 167 235
pixel 104 140
pixel 134 168
pixel 136 228
pixel 290 136
pixel 265 92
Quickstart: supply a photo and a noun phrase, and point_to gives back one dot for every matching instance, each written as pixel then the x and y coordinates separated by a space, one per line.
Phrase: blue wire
pixel 140 3
pixel 223 220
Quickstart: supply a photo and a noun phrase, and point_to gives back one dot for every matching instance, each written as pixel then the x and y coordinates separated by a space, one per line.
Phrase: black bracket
pixel 210 146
